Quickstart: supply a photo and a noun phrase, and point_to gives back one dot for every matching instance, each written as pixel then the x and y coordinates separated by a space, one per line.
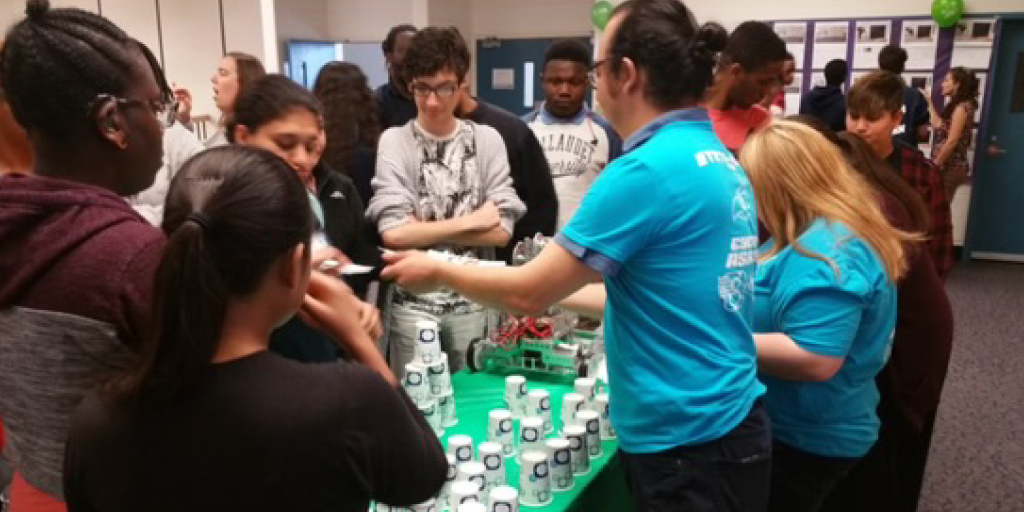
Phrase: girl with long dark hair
pixel 954 126
pixel 208 418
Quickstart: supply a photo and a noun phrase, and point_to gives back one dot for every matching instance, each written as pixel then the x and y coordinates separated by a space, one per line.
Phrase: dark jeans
pixel 801 481
pixel 729 474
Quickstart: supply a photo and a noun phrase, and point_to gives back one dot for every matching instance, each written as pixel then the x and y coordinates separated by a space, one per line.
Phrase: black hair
pixel 663 40
pixel 268 99
pixel 388 44
pixel 835 72
pixel 55 63
pixel 231 212
pixel 789 57
pixel 572 50
pixel 892 58
pixel 754 45
pixel 435 49
pixel 875 93
pixel 966 90
pixel 350 114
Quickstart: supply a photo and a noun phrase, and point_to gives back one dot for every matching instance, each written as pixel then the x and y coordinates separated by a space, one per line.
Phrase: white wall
pixel 370 20
pixel 532 18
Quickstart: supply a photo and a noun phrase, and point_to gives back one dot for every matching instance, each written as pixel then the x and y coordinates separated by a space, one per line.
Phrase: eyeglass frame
pixel 166 114
pixel 592 73
pixel 433 90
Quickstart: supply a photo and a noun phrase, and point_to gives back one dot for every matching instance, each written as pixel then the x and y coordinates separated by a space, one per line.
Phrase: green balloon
pixel 600 13
pixel 947 12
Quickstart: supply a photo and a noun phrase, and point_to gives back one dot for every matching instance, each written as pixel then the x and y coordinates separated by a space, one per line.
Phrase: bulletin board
pixel 931 51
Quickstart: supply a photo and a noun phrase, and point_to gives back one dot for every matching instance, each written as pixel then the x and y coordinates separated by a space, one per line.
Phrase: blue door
pixel 508 72
pixel 997 197
pixel 305 58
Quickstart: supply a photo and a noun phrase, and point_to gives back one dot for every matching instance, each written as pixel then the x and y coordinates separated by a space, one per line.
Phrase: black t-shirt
pixel 531 176
pixel 260 433
pixel 393 109
pixel 915 114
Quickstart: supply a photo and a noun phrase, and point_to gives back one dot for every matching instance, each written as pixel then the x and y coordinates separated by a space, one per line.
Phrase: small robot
pixel 551 344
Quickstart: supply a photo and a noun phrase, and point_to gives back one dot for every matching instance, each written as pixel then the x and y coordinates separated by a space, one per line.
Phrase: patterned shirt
pixel 921 174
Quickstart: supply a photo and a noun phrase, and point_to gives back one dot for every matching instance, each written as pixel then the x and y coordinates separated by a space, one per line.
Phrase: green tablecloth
pixel 476 394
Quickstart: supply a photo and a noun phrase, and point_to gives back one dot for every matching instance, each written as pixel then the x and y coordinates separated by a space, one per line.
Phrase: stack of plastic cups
pixel 601 407
pixel 464 492
pixel 501 430
pixel 515 395
pixel 476 473
pixel 539 404
pixel 504 499
pixel 438 376
pixel 591 421
pixel 572 403
pixel 493 459
pixel 449 479
pixel 531 435
pixel 535 479
pixel 560 462
pixel 578 455
pixel 588 388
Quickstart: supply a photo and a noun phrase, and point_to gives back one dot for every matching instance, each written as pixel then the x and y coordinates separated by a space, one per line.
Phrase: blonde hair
pixel 799 176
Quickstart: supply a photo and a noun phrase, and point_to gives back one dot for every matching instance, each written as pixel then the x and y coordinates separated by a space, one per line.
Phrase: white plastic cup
pixel 586 387
pixel 464 492
pixel 428 342
pixel 430 411
pixel 439 375
pixel 472 506
pixel 578 455
pixel 381 507
pixel 450 478
pixel 560 462
pixel 500 429
pixel 515 395
pixel 538 403
pixel 602 408
pixel 535 479
pixel 531 434
pixel 461 446
pixel 504 499
pixel 426 506
pixel 415 383
pixel 571 404
pixel 592 422
pixel 493 458
pixel 475 472
pixel 446 409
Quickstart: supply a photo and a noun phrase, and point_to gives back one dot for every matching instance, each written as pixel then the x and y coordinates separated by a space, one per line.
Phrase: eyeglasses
pixel 595 72
pixel 166 112
pixel 443 91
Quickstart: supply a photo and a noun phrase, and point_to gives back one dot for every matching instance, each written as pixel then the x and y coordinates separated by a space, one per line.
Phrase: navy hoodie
pixel 828 104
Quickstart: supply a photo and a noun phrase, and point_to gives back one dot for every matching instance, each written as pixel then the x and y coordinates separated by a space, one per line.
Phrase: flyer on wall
pixel 919 38
pixel 794 92
pixel 870 38
pixel 831 41
pixel 795 36
pixel 972 44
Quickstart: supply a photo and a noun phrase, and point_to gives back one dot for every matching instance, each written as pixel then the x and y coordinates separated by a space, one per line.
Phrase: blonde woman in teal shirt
pixel 825 308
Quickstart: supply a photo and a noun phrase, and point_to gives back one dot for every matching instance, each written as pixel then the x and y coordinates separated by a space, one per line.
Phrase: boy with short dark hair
pixel 441 183
pixel 751 64
pixel 874 107
pixel 914 127
pixel 827 102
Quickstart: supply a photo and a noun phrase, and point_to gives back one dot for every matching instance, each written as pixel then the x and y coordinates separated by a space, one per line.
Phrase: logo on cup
pixel 492 461
pixel 479 480
pixel 541 470
pixel 413 379
pixel 530 435
pixel 577 442
pixel 561 457
pixel 505 426
pixel 592 427
pixel 427 336
pixel 501 507
pixel 464 453
pixel 545 404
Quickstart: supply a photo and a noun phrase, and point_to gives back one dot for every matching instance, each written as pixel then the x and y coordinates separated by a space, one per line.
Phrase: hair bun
pixel 712 37
pixel 34 9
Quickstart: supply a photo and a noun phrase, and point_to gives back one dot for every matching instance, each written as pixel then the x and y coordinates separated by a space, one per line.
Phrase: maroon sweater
pixel 76 277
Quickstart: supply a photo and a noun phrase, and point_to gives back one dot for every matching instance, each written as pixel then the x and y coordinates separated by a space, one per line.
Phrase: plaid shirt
pixel 921 174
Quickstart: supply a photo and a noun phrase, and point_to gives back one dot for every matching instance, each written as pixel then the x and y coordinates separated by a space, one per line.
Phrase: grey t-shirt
pixel 428 178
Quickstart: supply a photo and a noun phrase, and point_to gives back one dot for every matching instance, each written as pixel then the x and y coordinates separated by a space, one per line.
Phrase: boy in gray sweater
pixel 441 183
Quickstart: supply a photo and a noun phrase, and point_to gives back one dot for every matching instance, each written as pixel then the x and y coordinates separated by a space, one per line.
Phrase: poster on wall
pixel 830 42
pixel 921 81
pixel 793 94
pixel 870 38
pixel 795 36
pixel 972 43
pixel 919 38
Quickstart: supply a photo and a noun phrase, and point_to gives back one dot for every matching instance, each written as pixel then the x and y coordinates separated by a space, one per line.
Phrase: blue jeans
pixel 729 474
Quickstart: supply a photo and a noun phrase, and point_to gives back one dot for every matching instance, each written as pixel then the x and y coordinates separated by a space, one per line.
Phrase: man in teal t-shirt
pixel 670 228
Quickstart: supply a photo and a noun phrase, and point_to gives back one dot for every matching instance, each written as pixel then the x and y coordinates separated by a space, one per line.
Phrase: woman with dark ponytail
pixel 208 418
pixel 954 127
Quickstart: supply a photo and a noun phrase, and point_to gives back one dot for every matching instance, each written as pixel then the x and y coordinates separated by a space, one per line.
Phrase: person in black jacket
pixel 531 175
pixel 827 102
pixel 395 106
pixel 206 418
pixel 279 115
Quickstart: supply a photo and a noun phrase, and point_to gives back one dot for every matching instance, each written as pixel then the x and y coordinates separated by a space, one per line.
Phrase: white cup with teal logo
pixel 415 383
pixel 475 472
pixel 531 434
pixel 439 375
pixel 446 409
pixel 592 422
pixel 515 395
pixel 535 479
pixel 493 458
pixel 464 492
pixel 538 403
pixel 461 446
pixel 500 429
pixel 428 342
pixel 504 499
pixel 560 462
pixel 578 454
pixel 571 404
pixel 602 407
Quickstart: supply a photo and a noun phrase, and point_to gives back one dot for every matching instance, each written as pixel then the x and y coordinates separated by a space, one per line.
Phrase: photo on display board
pixel 919 32
pixel 922 81
pixel 975 31
pixel 792 33
pixel 830 42
pixel 919 40
pixel 871 37
pixel 831 32
pixel 873 32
